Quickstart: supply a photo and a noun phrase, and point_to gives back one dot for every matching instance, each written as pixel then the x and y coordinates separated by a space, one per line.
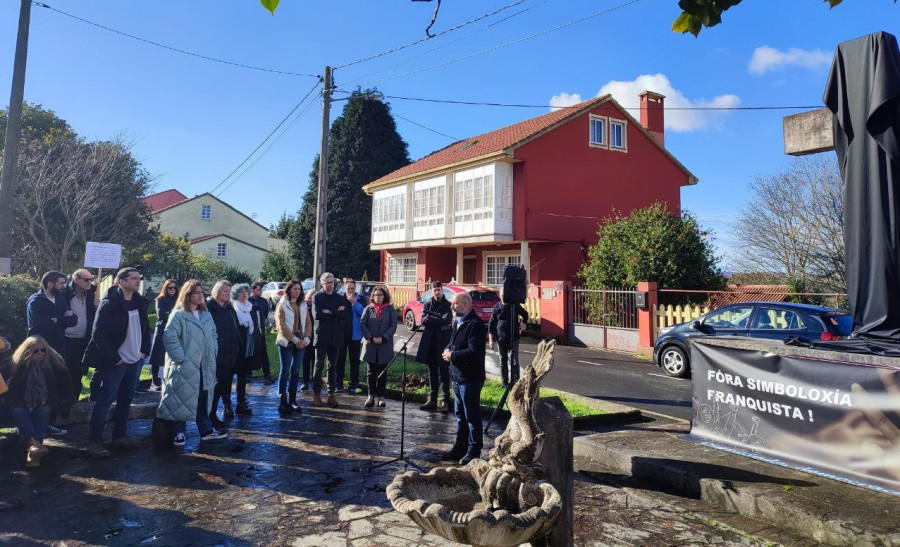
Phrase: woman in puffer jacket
pixel 190 373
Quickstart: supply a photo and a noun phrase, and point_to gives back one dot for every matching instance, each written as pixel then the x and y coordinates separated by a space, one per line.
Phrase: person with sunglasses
pixel 80 295
pixel 165 302
pixel 39 387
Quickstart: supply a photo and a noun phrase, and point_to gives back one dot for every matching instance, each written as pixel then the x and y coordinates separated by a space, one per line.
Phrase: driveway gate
pixel 605 318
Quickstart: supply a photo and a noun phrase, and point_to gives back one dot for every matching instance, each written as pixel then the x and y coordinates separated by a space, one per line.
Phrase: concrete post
pixel 556 457
pixel 645 317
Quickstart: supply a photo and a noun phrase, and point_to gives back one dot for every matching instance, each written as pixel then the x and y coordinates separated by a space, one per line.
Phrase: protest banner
pixel 102 255
pixel 829 417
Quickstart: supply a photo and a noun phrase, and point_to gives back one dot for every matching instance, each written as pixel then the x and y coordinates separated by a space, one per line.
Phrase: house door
pixel 468 271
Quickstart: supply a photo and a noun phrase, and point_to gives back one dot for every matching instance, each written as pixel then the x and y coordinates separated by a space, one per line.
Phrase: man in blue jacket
pixel 465 353
pixel 119 343
pixel 48 312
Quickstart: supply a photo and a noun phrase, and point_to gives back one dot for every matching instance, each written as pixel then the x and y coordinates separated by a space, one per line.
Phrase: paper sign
pixel 102 255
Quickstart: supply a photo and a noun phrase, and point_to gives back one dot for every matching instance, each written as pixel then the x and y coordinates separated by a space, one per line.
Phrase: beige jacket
pixel 284 323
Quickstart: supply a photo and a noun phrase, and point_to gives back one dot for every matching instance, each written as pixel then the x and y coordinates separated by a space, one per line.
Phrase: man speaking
pixel 465 353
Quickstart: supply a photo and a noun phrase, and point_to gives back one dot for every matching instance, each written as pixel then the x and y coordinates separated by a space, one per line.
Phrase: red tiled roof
pixel 734 294
pixel 492 142
pixel 164 199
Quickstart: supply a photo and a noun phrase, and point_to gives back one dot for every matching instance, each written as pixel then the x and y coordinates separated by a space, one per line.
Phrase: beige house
pixel 214 228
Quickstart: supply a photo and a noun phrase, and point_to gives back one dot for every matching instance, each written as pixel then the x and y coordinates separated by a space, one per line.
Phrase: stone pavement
pixel 307 479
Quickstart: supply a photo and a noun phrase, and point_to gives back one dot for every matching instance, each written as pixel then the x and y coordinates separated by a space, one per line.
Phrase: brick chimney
pixel 652 117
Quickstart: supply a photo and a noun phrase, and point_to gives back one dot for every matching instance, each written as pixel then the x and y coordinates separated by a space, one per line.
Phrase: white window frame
pixel 604 143
pixel 389 214
pixel 205 212
pixel 221 250
pixel 473 197
pixel 429 203
pixel 624 125
pixel 401 269
pixel 507 256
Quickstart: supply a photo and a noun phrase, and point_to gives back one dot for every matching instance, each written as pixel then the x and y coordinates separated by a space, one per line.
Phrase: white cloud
pixel 564 99
pixel 677 118
pixel 767 58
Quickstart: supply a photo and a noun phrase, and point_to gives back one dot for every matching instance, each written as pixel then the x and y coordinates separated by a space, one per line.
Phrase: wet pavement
pixel 306 479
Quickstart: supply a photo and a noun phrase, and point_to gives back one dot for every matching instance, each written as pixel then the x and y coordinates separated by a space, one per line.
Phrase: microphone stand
pixel 402 457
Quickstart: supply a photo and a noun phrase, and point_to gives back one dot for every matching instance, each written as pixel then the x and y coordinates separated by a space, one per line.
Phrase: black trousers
pixel 309 361
pixel 352 349
pixel 509 360
pixel 438 374
pixel 376 380
pixel 75 361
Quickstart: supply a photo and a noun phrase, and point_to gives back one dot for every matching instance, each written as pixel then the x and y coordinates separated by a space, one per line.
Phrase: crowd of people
pixel 204 345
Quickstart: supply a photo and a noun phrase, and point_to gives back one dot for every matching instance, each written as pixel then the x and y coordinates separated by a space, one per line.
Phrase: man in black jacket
pixel 436 318
pixel 330 312
pixel 260 313
pixel 506 324
pixel 80 295
pixel 119 342
pixel 465 353
pixel 48 312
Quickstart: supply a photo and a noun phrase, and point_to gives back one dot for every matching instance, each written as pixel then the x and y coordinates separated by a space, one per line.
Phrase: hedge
pixel 14 293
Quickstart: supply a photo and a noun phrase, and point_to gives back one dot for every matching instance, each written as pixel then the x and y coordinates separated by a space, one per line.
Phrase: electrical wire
pixel 507 44
pixel 451 29
pixel 170 48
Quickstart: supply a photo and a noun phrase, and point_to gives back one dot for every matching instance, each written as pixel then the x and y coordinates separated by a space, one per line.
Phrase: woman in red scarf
pixel 377 325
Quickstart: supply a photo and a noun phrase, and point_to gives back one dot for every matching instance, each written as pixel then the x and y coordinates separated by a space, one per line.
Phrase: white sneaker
pixel 214 435
pixel 381 402
pixel 179 440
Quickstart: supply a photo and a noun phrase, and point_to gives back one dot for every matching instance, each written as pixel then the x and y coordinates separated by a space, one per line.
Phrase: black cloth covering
pixel 863 93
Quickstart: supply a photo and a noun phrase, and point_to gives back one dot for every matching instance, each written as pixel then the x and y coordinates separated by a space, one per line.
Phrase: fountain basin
pixel 446 502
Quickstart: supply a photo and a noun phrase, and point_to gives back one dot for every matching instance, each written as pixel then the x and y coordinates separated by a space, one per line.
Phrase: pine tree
pixel 364 145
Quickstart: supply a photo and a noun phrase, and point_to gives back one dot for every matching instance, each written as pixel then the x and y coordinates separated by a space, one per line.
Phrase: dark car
pixel 773 320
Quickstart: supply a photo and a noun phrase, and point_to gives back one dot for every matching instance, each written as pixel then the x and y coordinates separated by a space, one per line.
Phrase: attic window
pixel 467 144
pixel 598 126
pixel 205 212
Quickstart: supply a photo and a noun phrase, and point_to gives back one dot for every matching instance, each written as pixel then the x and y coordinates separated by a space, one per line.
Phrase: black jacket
pixel 260 313
pixel 501 317
pixel 69 293
pixel 467 346
pixel 164 307
pixel 329 327
pixel 40 313
pixel 436 319
pixel 225 319
pixel 59 388
pixel 111 328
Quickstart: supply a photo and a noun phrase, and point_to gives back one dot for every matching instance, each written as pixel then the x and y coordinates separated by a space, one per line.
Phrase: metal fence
pixel 608 307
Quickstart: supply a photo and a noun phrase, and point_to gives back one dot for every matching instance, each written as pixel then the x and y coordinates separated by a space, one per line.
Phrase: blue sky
pixel 193 121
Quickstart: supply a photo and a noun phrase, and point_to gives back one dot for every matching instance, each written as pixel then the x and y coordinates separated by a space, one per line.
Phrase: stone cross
pixel 809 132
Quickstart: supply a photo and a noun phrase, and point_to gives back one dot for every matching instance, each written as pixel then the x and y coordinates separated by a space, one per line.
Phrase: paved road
pixel 607 375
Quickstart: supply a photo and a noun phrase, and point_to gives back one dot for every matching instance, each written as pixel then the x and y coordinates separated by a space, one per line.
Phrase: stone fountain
pixel 504 501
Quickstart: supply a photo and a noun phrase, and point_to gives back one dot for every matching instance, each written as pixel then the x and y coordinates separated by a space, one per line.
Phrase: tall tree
pixel 652 244
pixel 364 145
pixel 794 224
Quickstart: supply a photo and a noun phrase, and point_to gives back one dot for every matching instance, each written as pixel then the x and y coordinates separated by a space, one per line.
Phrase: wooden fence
pixel 664 316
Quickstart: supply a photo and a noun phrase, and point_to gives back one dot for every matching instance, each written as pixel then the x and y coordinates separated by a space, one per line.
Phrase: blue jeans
pixel 291 358
pixel 117 384
pixel 32 424
pixel 469 433
pixel 204 424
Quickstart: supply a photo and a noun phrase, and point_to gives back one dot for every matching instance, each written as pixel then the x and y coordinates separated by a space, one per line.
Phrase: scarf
pixel 379 309
pixel 243 310
pixel 36 384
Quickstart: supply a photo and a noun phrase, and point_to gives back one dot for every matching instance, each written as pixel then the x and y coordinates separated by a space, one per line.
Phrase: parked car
pixel 772 320
pixel 273 291
pixel 483 300
pixel 363 288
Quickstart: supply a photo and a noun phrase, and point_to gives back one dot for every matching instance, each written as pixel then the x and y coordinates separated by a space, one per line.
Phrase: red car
pixel 483 300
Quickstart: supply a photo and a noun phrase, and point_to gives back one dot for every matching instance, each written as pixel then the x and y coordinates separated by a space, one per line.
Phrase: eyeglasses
pixel 172 288
pixel 40 350
pixel 198 292
pixel 377 294
pixel 88 279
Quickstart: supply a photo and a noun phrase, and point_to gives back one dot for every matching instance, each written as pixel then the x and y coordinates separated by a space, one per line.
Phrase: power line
pixel 515 105
pixel 451 29
pixel 513 42
pixel 451 42
pixel 260 145
pixel 425 127
pixel 170 48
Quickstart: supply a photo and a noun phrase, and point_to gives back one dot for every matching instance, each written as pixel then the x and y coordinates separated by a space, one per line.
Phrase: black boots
pixel 292 402
pixel 227 411
pixel 283 406
pixel 243 408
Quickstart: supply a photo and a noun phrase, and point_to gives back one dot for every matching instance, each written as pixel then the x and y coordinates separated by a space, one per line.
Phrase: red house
pixel 531 193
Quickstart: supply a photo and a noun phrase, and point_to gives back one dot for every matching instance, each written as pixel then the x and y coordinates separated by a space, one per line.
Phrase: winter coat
pixel 467 347
pixel 191 345
pixel 164 307
pixel 436 318
pixel 59 389
pixel 329 327
pixel 371 326
pixel 111 328
pixel 228 334
pixel 69 293
pixel 284 323
pixel 501 316
pixel 351 328
pixel 40 312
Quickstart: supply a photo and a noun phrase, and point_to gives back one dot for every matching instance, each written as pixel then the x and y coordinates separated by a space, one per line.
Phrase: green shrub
pixel 237 275
pixel 14 293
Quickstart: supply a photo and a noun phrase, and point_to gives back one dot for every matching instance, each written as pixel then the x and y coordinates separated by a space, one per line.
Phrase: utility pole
pixel 13 134
pixel 321 203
